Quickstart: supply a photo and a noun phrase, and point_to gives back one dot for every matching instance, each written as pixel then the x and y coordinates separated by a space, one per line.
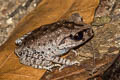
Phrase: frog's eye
pixel 78 36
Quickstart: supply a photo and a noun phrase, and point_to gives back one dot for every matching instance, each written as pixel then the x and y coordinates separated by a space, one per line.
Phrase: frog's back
pixel 40 35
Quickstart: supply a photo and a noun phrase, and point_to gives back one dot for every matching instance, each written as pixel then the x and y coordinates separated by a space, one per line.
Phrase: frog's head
pixel 77 34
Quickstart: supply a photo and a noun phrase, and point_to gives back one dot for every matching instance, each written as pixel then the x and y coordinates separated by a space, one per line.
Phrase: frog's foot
pixel 72 63
pixel 61 67
pixel 74 51
pixel 75 63
pixel 49 68
pixel 62 61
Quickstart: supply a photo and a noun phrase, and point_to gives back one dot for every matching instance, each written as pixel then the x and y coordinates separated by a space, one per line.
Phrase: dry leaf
pixel 47 12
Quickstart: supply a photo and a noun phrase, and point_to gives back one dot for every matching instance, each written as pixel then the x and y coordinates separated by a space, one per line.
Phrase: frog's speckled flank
pixel 43 47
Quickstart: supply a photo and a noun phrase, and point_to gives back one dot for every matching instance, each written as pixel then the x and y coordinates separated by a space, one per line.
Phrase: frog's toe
pixel 72 63
pixel 61 67
pixel 57 65
pixel 75 62
pixel 48 68
pixel 52 66
pixel 75 52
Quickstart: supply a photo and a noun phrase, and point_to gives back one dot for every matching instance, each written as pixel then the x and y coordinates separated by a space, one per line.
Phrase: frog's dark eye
pixel 78 36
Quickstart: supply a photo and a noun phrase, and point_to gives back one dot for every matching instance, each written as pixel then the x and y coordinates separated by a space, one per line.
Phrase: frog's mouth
pixel 82 35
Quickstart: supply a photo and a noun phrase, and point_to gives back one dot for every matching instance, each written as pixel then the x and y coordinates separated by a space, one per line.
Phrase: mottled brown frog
pixel 43 47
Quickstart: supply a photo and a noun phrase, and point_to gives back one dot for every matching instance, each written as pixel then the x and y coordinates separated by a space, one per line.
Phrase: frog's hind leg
pixel 65 62
pixel 38 63
pixel 50 67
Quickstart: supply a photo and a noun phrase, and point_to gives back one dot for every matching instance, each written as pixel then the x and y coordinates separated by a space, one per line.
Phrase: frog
pixel 43 47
